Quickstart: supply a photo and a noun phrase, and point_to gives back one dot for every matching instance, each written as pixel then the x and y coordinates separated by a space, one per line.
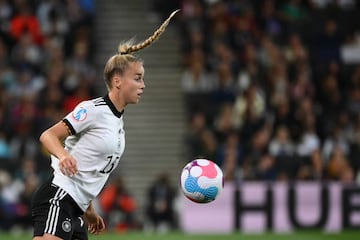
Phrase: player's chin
pixel 135 100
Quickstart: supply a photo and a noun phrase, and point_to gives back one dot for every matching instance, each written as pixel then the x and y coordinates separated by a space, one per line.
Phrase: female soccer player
pixel 85 148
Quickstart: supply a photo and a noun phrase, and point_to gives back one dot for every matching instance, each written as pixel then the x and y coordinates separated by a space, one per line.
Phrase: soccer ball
pixel 201 181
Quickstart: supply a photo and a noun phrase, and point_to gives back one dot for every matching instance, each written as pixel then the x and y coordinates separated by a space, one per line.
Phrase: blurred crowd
pixel 46 68
pixel 272 88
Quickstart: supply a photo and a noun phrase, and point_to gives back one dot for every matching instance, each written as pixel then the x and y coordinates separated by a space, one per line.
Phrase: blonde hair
pixel 118 63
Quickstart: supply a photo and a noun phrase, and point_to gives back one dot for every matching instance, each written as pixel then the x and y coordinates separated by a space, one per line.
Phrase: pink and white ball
pixel 202 181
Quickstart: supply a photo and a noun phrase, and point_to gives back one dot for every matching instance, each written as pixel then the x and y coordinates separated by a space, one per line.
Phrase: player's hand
pixel 68 165
pixel 95 223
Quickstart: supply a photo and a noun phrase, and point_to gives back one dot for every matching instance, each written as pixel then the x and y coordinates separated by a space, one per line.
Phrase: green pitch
pixel 308 235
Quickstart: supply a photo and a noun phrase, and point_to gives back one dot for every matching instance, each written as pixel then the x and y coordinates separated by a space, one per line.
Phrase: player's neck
pixel 118 103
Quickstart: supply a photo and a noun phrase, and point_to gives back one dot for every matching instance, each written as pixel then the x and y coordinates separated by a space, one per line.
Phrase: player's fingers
pixel 68 166
pixel 92 229
pixel 96 226
pixel 101 225
pixel 66 170
pixel 96 230
pixel 63 170
pixel 74 167
pixel 63 164
pixel 63 167
pixel 72 170
pixel 72 162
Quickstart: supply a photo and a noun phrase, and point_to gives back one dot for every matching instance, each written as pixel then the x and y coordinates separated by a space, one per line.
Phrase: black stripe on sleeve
pixel 68 124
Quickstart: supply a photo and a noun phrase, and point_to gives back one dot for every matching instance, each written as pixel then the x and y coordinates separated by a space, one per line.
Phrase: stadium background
pixel 276 96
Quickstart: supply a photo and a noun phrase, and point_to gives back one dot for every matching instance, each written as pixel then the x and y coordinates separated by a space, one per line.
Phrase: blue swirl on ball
pixel 192 186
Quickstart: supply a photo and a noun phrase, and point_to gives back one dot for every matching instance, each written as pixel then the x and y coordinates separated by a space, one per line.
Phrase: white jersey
pixel 97 144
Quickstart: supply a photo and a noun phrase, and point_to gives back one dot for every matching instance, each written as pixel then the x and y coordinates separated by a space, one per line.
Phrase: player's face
pixel 132 83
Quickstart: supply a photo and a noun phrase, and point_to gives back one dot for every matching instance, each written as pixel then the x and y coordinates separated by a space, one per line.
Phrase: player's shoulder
pixel 90 106
pixel 100 101
pixel 92 103
pixel 100 105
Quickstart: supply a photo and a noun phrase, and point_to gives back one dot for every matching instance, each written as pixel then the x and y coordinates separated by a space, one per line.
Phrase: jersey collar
pixel 112 106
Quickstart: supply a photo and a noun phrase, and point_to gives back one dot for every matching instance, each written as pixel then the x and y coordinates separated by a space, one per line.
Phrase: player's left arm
pixel 95 222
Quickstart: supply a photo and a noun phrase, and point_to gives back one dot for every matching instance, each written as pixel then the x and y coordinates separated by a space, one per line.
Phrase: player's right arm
pixel 52 139
pixel 95 222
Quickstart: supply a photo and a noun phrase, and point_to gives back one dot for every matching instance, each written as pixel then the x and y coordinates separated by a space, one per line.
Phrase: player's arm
pixel 95 222
pixel 52 139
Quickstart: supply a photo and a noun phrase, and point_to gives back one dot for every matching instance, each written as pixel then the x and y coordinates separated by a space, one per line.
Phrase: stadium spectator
pixel 223 122
pixel 251 71
pixel 192 139
pixel 309 150
pixel 118 206
pixel 249 108
pixel 225 92
pixel 29 177
pixel 257 161
pixel 230 156
pixel 338 167
pixel 196 78
pixel 269 21
pixel 25 22
pixel 160 212
pixel 282 149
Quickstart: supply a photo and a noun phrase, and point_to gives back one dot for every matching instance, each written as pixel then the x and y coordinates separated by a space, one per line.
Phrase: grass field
pixel 309 235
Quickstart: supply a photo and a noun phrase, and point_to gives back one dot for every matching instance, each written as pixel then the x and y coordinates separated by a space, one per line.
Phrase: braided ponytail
pixel 128 47
pixel 119 62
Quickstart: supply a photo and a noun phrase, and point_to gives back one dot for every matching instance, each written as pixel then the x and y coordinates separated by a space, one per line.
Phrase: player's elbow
pixel 43 137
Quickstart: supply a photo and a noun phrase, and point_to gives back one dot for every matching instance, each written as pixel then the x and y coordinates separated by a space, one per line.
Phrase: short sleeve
pixel 81 118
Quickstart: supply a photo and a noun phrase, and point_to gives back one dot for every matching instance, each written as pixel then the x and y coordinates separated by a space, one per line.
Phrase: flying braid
pixel 127 47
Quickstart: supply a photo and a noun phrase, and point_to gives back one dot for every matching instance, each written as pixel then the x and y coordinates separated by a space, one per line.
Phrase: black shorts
pixel 53 211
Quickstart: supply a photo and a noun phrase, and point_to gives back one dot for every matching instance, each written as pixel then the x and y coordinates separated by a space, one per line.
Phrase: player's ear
pixel 117 81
